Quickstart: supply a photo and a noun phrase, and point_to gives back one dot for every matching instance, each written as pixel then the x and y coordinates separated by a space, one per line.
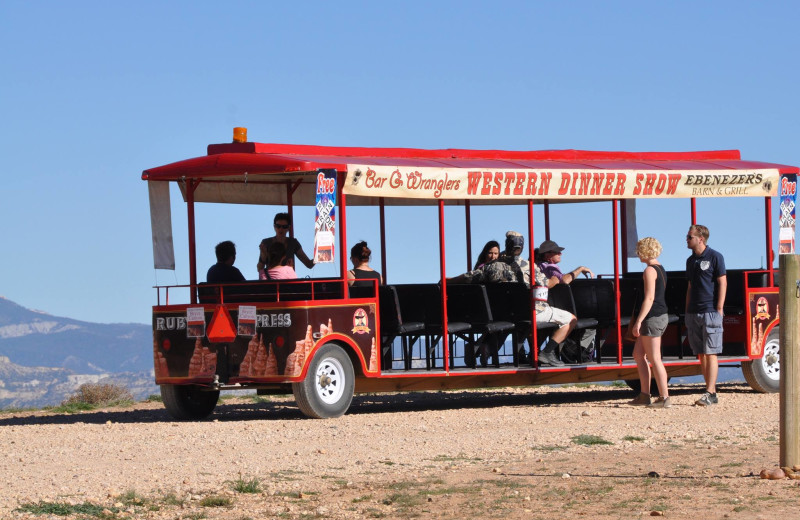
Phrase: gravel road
pixel 503 453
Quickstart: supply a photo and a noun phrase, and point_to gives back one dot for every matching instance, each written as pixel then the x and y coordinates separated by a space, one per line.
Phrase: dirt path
pixel 531 453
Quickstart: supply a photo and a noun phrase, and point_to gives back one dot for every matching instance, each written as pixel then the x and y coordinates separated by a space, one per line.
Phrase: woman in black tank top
pixel 650 324
pixel 362 275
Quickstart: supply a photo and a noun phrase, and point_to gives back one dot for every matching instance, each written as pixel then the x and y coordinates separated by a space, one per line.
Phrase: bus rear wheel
pixel 189 402
pixel 327 389
pixel 764 374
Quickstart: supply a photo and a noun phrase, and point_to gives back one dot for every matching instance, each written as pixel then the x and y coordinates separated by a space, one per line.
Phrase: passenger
pixel 511 255
pixel 281 223
pixel 549 255
pixel 503 270
pixel 650 324
pixel 489 253
pixel 361 275
pixel 223 271
pixel 276 270
pixel 546 313
pixel 705 270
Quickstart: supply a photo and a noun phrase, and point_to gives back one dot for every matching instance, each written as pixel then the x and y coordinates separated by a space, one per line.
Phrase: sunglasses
pixel 281 226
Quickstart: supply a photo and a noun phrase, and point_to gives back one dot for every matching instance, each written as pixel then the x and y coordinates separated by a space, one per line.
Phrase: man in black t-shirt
pixel 223 271
pixel 705 269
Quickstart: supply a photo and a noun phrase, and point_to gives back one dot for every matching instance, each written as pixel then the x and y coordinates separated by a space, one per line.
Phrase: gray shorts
pixel 654 326
pixel 704 331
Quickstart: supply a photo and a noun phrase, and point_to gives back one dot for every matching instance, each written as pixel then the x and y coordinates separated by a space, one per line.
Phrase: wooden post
pixel 789 266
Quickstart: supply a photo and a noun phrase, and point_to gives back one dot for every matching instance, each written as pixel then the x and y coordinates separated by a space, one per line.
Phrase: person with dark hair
pixel 361 275
pixel 223 271
pixel 282 222
pixel 489 253
pixel 276 270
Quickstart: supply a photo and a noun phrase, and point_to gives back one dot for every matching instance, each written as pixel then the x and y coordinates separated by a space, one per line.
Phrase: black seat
pixel 561 297
pixel 469 303
pixel 393 325
pixel 513 302
pixel 423 302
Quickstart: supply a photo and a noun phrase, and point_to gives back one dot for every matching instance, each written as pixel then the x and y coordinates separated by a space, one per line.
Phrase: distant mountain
pixel 45 358
pixel 34 338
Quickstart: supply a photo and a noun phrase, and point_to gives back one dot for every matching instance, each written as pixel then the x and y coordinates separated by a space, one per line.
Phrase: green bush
pixel 97 395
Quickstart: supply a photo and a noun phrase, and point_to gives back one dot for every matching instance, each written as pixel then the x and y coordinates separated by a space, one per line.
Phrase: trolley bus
pixel 323 342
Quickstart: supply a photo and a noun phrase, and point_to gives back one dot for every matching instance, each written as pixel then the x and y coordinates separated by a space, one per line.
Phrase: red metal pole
pixel 535 337
pixel 615 214
pixel 624 234
pixel 694 211
pixel 342 234
pixel 768 222
pixel 469 234
pixel 443 275
pixel 191 184
pixel 382 214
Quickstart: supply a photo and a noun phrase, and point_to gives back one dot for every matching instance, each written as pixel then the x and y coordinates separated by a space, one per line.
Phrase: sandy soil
pixel 507 453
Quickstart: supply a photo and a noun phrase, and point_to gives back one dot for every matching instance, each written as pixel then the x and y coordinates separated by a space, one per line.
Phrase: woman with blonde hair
pixel 649 325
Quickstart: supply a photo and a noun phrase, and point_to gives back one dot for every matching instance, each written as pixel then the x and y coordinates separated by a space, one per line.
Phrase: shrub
pixel 96 395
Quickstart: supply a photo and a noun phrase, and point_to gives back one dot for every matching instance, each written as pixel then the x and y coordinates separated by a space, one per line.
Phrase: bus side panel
pixel 277 349
pixel 762 316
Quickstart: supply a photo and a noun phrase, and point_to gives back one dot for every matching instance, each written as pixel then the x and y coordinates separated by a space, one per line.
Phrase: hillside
pixel 44 358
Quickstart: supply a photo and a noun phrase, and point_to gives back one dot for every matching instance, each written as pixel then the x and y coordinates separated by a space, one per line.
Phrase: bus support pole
pixel 790 360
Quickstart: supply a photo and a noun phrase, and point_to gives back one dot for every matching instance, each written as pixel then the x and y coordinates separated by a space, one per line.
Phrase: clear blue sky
pixel 94 92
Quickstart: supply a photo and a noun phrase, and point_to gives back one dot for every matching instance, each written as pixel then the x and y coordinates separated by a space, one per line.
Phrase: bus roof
pixel 249 172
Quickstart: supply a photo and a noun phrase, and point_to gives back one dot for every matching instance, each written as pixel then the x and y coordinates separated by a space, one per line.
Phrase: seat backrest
pixel 630 294
pixel 675 293
pixel 509 301
pixel 207 294
pixel 560 297
pixel 468 303
pixel 594 298
pixel 389 309
pixel 420 303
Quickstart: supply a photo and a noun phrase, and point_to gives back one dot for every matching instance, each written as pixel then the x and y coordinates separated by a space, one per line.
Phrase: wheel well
pixel 355 360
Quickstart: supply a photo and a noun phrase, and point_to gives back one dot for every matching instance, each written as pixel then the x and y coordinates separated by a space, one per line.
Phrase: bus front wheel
pixel 327 389
pixel 188 402
pixel 764 374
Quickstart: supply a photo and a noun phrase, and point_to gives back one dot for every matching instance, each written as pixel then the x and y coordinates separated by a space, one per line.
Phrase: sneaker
pixel 707 399
pixel 642 399
pixel 661 402
pixel 549 359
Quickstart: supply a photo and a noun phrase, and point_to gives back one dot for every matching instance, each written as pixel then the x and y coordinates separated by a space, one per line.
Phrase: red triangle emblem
pixel 221 329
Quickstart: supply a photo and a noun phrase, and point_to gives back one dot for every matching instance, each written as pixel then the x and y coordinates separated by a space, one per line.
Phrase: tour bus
pixel 323 340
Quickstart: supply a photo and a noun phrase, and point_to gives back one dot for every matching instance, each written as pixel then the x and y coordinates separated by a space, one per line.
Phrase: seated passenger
pixel 361 275
pixel 546 313
pixel 489 253
pixel 223 271
pixel 508 267
pixel 549 255
pixel 276 270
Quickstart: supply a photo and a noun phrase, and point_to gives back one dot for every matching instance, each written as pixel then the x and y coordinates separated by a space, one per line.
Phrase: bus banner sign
pixel 465 183
pixel 325 224
pixel 788 194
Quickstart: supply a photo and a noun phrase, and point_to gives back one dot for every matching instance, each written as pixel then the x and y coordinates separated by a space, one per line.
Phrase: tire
pixel 327 390
pixel 188 402
pixel 764 374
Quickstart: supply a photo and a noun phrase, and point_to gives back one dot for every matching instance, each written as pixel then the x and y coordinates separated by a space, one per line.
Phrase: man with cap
pixel 549 255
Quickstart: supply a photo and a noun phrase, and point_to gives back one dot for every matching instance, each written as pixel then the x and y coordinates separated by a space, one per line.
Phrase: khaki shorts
pixel 553 315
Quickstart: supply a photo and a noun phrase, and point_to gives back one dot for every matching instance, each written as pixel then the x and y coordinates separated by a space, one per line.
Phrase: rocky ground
pixel 505 453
